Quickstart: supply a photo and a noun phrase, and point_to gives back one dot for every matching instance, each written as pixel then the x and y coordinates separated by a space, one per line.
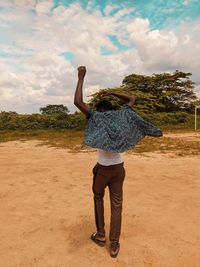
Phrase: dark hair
pixel 105 105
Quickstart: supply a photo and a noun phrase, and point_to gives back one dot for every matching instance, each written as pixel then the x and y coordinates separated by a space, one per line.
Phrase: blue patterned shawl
pixel 118 130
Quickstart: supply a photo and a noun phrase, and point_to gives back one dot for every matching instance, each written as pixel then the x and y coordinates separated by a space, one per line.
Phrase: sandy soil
pixel 193 136
pixel 46 210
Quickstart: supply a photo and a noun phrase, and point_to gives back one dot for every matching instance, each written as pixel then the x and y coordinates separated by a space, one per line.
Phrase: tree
pixel 54 109
pixel 165 92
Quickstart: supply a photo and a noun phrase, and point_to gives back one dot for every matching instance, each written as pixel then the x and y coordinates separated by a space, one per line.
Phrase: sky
pixel 43 42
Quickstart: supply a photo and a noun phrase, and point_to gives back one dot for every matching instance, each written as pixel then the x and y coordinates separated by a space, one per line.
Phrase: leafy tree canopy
pixel 54 109
pixel 157 93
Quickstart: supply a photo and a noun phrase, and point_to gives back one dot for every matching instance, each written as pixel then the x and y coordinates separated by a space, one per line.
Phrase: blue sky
pixel 43 42
pixel 157 11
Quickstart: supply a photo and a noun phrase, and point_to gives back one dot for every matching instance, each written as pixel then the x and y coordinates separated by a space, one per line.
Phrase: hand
pixel 81 71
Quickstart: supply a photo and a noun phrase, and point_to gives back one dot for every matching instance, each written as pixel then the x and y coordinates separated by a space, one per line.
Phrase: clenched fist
pixel 81 71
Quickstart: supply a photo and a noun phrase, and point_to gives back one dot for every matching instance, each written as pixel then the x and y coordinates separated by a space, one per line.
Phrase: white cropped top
pixel 108 158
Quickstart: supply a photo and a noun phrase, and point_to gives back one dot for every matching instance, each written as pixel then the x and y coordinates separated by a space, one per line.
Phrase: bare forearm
pixel 127 98
pixel 78 97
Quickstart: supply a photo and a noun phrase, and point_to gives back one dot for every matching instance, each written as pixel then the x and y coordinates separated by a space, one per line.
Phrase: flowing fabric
pixel 117 130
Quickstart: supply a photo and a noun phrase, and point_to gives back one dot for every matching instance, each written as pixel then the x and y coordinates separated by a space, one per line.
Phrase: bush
pixel 172 118
pixel 78 121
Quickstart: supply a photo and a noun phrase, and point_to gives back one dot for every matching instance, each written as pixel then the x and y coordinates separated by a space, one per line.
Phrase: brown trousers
pixel 113 177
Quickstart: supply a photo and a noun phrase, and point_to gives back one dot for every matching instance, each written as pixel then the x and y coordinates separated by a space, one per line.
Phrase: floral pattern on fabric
pixel 117 130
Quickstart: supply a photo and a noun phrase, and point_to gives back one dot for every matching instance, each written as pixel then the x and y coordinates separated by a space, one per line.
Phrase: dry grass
pixel 180 146
pixel 181 143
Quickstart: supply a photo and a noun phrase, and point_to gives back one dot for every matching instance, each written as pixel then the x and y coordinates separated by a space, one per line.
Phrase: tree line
pixel 59 120
pixel 161 98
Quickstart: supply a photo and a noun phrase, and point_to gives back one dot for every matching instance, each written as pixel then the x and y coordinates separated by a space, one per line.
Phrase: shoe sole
pixel 116 253
pixel 98 242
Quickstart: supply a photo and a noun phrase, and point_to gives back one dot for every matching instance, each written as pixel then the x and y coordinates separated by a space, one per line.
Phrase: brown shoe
pixel 114 250
pixel 99 240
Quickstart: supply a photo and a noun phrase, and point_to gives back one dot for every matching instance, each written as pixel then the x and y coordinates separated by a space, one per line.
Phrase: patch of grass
pixel 63 138
pixel 73 140
pixel 179 146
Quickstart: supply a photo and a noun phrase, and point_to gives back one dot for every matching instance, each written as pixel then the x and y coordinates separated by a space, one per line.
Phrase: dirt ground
pixel 46 209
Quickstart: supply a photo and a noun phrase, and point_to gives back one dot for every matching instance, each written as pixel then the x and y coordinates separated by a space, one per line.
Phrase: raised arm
pixel 78 97
pixel 129 99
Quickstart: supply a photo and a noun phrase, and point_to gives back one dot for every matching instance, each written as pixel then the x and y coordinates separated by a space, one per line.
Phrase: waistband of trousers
pixel 111 166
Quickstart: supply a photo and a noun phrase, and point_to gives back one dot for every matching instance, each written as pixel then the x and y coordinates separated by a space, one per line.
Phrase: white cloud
pixel 109 9
pixel 162 50
pixel 42 76
pixel 155 47
pixel 24 3
pixel 186 2
pixel 43 7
